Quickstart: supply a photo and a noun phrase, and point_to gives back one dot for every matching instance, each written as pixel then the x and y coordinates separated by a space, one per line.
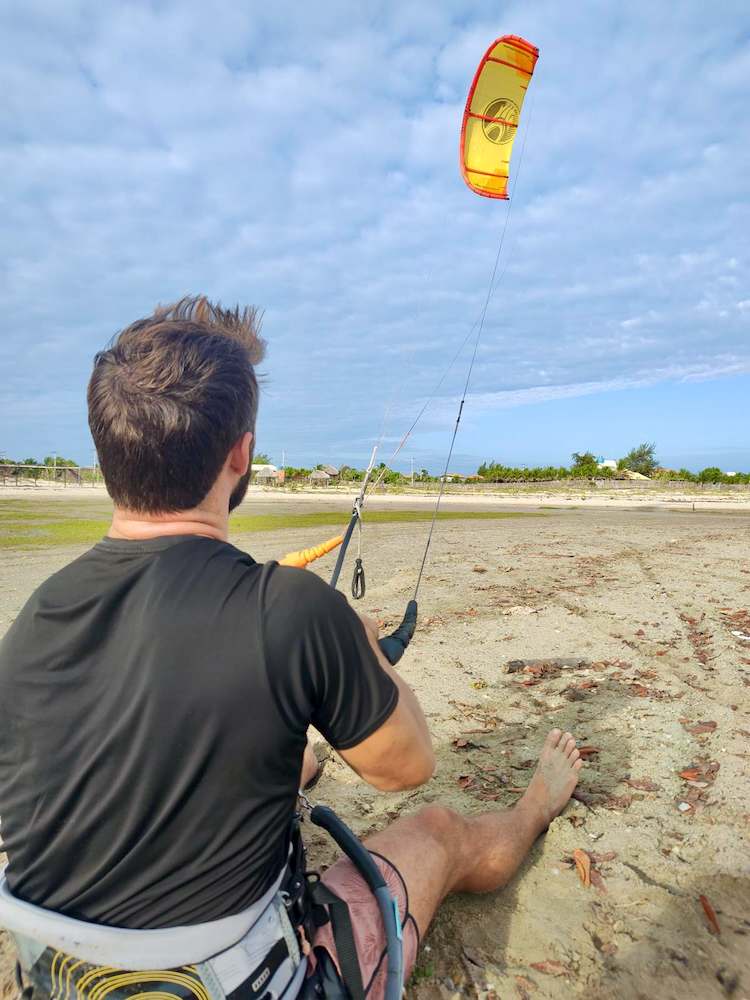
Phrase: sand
pixel 613 494
pixel 634 632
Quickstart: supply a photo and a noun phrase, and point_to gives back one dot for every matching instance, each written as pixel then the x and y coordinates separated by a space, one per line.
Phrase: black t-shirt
pixel 154 699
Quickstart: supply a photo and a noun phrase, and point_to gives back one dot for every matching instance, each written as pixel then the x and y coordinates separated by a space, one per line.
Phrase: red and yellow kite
pixel 492 113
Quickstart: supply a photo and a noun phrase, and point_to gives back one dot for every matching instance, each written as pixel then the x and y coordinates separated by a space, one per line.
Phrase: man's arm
pixel 325 668
pixel 399 754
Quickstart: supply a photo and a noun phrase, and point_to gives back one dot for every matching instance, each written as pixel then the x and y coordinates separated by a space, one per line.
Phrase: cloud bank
pixel 305 160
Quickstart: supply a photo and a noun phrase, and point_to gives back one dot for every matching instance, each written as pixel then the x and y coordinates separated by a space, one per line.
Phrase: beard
pixel 238 493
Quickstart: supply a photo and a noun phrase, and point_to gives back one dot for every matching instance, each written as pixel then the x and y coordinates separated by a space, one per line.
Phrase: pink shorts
pixel 345 881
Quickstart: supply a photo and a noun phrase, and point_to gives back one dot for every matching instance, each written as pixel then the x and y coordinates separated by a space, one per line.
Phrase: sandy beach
pixel 567 494
pixel 624 619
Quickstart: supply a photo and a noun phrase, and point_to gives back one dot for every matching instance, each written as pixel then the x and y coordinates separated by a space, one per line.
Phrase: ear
pixel 241 454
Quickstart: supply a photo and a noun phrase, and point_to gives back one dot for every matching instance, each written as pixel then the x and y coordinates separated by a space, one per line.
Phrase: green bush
pixel 641 459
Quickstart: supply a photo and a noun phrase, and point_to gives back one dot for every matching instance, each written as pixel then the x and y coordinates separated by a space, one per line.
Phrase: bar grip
pixel 394 645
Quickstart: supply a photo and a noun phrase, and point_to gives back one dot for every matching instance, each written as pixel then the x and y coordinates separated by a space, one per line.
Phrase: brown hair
pixel 168 400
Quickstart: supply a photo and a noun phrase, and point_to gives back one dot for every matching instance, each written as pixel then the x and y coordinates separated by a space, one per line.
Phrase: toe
pixel 574 755
pixel 570 746
pixel 578 764
pixel 553 738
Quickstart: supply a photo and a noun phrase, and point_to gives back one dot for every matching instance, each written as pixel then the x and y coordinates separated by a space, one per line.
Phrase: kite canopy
pixel 493 109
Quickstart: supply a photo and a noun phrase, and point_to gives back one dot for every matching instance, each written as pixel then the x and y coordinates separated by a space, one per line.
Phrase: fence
pixel 55 475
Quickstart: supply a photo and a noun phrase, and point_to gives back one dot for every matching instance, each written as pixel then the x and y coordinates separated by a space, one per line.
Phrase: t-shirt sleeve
pixel 320 665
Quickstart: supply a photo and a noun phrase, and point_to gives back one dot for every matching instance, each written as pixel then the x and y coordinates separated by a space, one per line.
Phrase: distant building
pixel 608 463
pixel 320 476
pixel 452 477
pixel 266 475
pixel 332 471
pixel 269 479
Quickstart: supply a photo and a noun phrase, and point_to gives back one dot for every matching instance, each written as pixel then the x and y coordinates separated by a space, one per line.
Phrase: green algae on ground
pixel 239 524
pixel 724 512
pixel 42 534
pixel 28 529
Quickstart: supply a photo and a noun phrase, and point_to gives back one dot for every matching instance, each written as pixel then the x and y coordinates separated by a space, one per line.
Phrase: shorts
pixel 344 880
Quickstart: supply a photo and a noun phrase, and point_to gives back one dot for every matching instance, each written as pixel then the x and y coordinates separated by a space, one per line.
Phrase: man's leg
pixel 439 851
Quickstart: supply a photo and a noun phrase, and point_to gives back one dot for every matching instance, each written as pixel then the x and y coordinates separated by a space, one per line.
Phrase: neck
pixel 129 524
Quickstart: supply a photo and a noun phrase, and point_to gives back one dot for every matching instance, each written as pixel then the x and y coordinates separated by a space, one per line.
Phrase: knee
pixel 442 824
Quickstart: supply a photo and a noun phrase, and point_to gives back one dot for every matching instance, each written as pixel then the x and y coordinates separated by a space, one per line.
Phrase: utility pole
pixel 412 471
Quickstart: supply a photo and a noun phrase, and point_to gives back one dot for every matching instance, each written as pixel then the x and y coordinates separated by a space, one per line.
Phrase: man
pixel 155 697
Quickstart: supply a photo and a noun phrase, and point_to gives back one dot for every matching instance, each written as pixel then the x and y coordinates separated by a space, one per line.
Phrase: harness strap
pixel 256 983
pixel 343 935
pixel 25 990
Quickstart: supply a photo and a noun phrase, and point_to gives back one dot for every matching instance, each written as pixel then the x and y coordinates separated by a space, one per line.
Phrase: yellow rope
pixel 301 558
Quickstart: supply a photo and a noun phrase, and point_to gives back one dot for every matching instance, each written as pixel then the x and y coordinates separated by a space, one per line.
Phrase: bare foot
pixel 555 778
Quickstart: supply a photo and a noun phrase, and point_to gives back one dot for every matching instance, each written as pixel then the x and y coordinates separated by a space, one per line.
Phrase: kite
pixel 492 113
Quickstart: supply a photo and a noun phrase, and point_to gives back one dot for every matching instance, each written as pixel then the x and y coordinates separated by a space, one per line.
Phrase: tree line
pixel 348 474
pixel 51 461
pixel 586 465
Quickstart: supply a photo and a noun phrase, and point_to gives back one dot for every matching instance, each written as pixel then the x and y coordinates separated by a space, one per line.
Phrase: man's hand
pixel 371 628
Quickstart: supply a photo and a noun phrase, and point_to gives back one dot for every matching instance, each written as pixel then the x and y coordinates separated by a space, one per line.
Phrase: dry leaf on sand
pixel 551 968
pixel 713 923
pixel 583 866
pixel 700 728
pixel 597 881
pixel 644 784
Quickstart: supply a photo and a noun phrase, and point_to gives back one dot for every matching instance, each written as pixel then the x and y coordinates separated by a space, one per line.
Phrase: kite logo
pixel 501 120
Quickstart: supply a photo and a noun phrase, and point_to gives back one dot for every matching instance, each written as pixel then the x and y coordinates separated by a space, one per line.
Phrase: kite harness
pixel 258 953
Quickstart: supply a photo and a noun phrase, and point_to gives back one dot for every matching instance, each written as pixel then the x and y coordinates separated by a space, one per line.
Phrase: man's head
pixel 172 400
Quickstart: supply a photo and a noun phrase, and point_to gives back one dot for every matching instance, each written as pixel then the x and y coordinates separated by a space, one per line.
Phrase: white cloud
pixel 305 159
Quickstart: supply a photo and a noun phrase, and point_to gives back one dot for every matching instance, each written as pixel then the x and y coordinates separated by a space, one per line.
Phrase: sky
pixel 304 158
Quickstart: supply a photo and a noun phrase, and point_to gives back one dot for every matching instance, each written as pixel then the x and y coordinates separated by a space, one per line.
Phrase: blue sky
pixel 303 157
